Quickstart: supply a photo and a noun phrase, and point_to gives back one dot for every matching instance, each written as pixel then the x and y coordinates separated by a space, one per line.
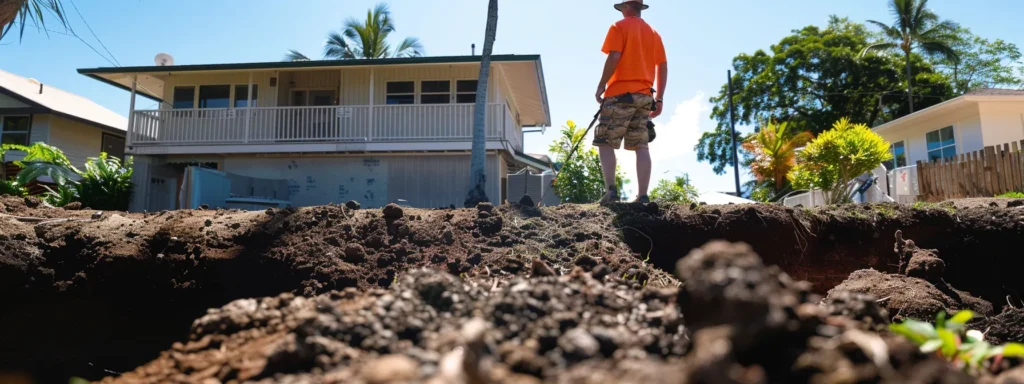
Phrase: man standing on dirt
pixel 634 51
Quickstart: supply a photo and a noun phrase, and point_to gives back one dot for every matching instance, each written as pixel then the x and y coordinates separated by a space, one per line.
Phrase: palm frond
pixel 294 55
pixel 410 47
pixel 887 30
pixel 879 47
pixel 337 47
pixel 939 49
pixel 32 11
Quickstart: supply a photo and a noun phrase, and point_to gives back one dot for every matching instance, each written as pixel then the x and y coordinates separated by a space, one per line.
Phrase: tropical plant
pixel 9 186
pixel 42 159
pixel 477 177
pixel 774 150
pixel 63 195
pixel 24 12
pixel 365 39
pixel 106 183
pixel 831 161
pixel 812 78
pixel 950 339
pixel 580 179
pixel 915 28
pixel 675 191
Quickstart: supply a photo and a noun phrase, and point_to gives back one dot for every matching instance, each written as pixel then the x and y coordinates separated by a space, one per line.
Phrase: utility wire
pixel 94 33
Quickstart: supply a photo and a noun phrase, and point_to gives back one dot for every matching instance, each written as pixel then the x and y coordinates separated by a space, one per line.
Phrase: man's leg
pixel 643 170
pixel 608 164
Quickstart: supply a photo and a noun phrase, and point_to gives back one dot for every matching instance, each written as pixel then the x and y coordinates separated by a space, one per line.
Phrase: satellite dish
pixel 163 59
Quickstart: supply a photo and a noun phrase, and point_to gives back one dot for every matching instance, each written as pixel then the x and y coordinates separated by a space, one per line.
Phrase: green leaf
pixel 962 317
pixel 931 346
pixel 940 320
pixel 975 335
pixel 1013 350
pixel 949 342
pixel 917 331
pixel 978 353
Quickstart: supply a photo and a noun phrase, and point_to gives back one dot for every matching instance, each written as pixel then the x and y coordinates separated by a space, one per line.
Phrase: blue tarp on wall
pixel 209 187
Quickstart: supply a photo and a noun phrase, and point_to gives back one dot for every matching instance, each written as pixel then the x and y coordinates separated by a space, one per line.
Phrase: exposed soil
pixel 94 295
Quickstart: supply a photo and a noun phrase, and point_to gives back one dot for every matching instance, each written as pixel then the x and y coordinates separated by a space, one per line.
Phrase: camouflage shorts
pixel 624 117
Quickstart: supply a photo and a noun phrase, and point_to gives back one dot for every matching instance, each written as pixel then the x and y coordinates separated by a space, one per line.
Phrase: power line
pixel 94 33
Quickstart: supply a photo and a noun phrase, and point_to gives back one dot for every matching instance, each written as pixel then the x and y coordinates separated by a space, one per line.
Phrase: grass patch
pixel 1012 195
pixel 927 206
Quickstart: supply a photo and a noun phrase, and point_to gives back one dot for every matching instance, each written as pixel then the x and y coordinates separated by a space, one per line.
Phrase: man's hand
pixel 657 109
pixel 600 93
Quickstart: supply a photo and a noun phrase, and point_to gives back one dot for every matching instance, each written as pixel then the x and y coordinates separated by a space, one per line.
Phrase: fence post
pixel 990 172
pixel 922 180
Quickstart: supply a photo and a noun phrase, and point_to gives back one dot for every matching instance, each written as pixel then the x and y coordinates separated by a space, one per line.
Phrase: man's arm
pixel 609 69
pixel 662 82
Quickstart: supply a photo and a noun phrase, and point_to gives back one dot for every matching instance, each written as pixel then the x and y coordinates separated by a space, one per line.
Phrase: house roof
pixel 972 97
pixel 59 102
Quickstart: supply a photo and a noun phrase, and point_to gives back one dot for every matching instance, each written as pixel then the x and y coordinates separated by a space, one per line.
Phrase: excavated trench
pixel 980 246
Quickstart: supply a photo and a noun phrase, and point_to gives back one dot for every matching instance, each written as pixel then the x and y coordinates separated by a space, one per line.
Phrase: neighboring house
pixel 375 131
pixel 32 112
pixel 981 118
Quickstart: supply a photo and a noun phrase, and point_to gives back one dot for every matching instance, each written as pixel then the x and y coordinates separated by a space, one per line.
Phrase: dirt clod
pixel 353 205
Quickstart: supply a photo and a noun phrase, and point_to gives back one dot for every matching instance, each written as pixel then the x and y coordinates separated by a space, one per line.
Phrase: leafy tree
pixel 836 157
pixel 677 191
pixel 477 178
pixel 23 12
pixel 983 63
pixel 774 153
pixel 813 78
pixel 365 39
pixel 579 180
pixel 916 28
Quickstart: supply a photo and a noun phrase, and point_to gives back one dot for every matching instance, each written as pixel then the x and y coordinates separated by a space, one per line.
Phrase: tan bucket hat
pixel 643 6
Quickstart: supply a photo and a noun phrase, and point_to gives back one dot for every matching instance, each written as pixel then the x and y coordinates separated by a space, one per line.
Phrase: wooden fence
pixel 986 173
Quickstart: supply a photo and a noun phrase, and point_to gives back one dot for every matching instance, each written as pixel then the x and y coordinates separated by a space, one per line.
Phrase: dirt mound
pixel 433 327
pixel 1003 328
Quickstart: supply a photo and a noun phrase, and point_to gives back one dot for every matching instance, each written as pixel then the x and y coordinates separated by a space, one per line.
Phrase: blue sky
pixel 701 37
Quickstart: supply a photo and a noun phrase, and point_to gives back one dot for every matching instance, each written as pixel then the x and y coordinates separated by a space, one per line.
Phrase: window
pixel 113 146
pixel 242 95
pixel 899 156
pixel 184 97
pixel 436 92
pixel 401 92
pixel 214 96
pixel 465 91
pixel 941 144
pixel 14 130
pixel 315 98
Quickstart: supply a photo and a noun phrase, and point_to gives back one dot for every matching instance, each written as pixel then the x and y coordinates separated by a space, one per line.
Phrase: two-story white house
pixel 375 131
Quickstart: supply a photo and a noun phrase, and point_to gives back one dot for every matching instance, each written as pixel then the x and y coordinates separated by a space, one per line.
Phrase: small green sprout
pixel 951 340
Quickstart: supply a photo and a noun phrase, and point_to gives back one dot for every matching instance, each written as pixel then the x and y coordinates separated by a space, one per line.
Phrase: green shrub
pixel 64 194
pixel 836 157
pixel 580 180
pixel 12 188
pixel 678 191
pixel 106 183
pixel 951 340
pixel 1012 195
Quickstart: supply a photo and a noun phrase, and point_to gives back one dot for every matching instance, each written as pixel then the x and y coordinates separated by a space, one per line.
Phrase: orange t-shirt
pixel 642 51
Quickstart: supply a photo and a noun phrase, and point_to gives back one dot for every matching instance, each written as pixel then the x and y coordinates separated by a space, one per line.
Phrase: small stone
pixel 354 253
pixel 485 207
pixel 73 206
pixel 204 207
pixel 392 212
pixel 208 222
pixel 353 205
pixel 1015 204
pixel 540 268
pixel 390 369
pixel 579 344
pixel 97 215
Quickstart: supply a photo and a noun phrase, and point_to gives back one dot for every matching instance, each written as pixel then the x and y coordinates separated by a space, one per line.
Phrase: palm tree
pixel 25 11
pixel 477 177
pixel 774 149
pixel 915 28
pixel 367 39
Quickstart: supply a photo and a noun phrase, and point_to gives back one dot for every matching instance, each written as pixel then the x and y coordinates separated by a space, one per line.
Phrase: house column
pixel 131 113
pixel 373 116
pixel 248 111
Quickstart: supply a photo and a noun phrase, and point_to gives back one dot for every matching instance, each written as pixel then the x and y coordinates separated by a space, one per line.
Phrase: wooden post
pixel 922 180
pixel 373 117
pixel 976 173
pixel 990 172
pixel 131 113
pixel 248 111
pixel 1015 166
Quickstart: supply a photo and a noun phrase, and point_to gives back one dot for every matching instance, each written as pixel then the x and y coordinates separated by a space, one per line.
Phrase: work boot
pixel 642 199
pixel 611 197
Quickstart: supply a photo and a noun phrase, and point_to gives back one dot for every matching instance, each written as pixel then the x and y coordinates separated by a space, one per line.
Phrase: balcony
pixel 318 129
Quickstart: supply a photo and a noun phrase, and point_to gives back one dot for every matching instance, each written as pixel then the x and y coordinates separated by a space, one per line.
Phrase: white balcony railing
pixel 384 123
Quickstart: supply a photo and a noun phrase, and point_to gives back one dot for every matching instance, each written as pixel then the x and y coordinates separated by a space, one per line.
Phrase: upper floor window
pixel 242 95
pixel 899 156
pixel 14 130
pixel 184 97
pixel 214 96
pixel 465 91
pixel 941 144
pixel 436 92
pixel 401 92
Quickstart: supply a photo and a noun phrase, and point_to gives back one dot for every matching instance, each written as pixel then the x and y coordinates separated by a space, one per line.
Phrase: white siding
pixel 383 75
pixel 78 141
pixel 1003 122
pixel 10 102
pixel 40 129
pixel 965 125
